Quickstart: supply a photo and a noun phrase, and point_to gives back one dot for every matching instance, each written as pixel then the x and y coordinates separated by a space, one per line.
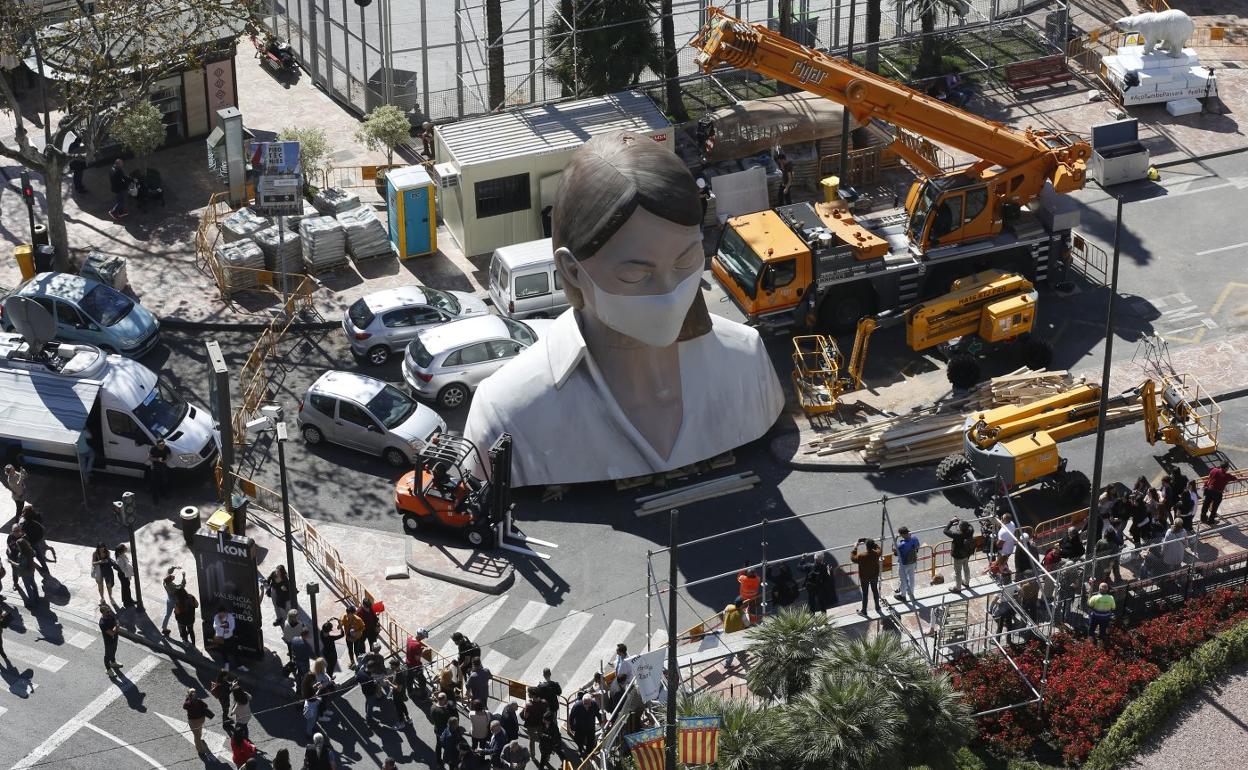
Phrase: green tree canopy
pixel 140 128
pixel 385 128
pixel 615 42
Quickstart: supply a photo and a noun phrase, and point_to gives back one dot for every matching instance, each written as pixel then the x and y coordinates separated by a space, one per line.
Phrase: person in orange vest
pixel 750 585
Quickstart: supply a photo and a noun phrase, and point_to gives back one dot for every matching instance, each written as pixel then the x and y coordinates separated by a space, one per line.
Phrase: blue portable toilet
pixel 412 216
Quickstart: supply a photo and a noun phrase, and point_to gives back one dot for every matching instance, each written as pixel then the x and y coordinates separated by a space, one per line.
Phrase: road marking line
pixel 557 645
pixel 526 621
pixel 37 658
pixel 216 742
pixel 658 639
pixel 88 712
pixel 473 625
pixel 133 749
pixel 616 633
pixel 2 710
pixel 1222 248
pixel 81 640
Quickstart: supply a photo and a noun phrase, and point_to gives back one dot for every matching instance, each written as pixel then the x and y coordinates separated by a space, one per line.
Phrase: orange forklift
pixel 443 492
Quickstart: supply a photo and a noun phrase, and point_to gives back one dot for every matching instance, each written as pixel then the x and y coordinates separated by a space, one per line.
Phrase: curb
pixel 1199 158
pixel 462 578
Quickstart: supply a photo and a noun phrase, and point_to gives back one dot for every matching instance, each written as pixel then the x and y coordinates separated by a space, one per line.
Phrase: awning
pixel 52 410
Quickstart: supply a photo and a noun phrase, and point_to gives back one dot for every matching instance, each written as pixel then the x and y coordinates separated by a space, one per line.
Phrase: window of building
pixel 502 196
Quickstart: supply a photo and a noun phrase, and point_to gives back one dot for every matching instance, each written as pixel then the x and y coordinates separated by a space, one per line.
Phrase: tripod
pixel 1211 89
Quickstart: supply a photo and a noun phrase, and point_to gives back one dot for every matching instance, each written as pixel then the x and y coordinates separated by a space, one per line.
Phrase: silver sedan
pixel 384 322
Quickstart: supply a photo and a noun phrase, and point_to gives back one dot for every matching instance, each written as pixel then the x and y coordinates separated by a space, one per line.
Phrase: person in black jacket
pixel 962 535
pixel 119 184
pixel 820 584
pixel 1071 547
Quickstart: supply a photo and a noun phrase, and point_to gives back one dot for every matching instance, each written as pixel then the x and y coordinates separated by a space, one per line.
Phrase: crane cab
pixel 955 208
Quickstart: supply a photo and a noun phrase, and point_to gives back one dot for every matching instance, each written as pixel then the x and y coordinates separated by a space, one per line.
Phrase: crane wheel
pixel 963 371
pixel 953 468
pixel 1075 488
pixel 1037 353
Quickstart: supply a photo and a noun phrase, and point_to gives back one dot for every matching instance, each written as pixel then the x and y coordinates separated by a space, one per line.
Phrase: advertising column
pixel 228 577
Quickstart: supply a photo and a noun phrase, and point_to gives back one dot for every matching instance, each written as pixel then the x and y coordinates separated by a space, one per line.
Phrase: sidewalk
pixel 414 601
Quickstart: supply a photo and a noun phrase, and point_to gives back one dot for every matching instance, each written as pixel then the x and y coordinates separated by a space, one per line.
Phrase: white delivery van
pixel 51 399
pixel 524 282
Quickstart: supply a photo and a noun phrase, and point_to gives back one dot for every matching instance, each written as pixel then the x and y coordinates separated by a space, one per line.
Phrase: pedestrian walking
pixel 125 573
pixel 300 654
pixel 277 586
pixel 440 714
pixel 549 690
pixel 533 717
pixel 220 689
pixel 353 632
pixel 240 711
pixel 102 566
pixel 786 178
pixel 184 607
pixel 467 651
pixel 197 712
pixel 370 688
pixel 32 527
pixel 414 652
pixel 281 760
pixel 477 686
pixel 449 741
pixel 119 185
pixel 907 550
pixel 550 742
pixel 509 718
pixel 496 743
pixel 479 724
pixel 6 620
pixel 1101 606
pixel 820 584
pixel 21 558
pixel 733 620
pixel 961 535
pixel 1174 546
pixel 1004 546
pixel 515 756
pixel 623 668
pixel 158 468
pixel 1215 485
pixel 15 481
pixel 172 583
pixel 319 755
pixel 329 643
pixel 108 629
pixel 397 682
pixel 868 561
pixel 583 723
pixel 749 587
pixel 372 624
pixel 311 713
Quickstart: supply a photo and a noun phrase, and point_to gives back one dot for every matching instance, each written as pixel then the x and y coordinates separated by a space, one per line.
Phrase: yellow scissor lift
pixel 816 373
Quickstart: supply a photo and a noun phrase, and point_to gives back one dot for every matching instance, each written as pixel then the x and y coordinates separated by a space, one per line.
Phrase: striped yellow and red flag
pixel 647 748
pixel 697 740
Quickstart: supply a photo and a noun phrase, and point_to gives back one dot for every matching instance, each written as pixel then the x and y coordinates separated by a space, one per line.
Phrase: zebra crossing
pixel 519 637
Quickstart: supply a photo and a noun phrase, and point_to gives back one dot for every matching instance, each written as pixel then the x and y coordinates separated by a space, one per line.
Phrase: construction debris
pixel 928 435
pixel 704 490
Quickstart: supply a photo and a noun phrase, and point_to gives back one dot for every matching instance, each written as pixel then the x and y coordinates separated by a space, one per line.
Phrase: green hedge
pixel 1165 694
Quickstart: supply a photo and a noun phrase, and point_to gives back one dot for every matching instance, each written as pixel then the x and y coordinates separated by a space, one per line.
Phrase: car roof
pixel 349 385
pixel 400 296
pixel 524 254
pixel 464 332
pixel 62 285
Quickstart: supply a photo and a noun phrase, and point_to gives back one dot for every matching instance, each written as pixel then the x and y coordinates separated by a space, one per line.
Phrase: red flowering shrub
pixel 1087 686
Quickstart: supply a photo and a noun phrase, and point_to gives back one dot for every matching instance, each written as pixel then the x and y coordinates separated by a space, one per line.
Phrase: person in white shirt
pixel 223 634
pixel 637 377
pixel 1005 536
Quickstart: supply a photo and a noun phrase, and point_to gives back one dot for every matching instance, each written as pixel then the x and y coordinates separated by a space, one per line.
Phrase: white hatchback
pixel 367 414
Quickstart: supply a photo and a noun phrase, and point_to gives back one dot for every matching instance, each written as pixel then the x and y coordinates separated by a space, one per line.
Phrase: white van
pixel 524 282
pixel 56 402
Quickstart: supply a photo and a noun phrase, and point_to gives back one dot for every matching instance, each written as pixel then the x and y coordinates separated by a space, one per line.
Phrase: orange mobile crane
pixel 792 264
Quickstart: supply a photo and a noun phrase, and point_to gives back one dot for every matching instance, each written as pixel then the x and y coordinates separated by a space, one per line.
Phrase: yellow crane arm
pixel 1038 154
pixel 858 356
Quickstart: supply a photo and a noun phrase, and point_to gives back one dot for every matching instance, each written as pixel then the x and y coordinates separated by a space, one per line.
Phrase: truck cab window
pixel 782 273
pixel 122 424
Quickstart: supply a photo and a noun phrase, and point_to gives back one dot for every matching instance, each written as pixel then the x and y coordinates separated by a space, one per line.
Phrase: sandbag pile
pixel 241 224
pixel 283 256
pixel 366 235
pixel 292 220
pixel 233 257
pixel 332 201
pixel 324 243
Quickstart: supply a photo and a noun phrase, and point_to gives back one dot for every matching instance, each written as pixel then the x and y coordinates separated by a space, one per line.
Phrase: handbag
pixel 134 189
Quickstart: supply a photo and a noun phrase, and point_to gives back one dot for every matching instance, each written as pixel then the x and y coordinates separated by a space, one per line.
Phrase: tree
pixel 930 45
pixel 874 19
pixel 105 60
pixel 384 128
pixel 314 151
pixel 841 723
pixel 494 57
pixel 613 44
pixel 670 66
pixel 140 129
pixel 784 650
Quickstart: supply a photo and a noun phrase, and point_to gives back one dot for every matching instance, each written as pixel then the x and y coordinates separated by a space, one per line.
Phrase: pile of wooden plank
pixel 928 435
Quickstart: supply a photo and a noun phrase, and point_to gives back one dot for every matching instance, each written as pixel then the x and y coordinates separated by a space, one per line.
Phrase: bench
pixel 1040 72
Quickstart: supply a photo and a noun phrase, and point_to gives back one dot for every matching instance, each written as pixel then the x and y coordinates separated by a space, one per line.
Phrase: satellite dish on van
pixel 31 320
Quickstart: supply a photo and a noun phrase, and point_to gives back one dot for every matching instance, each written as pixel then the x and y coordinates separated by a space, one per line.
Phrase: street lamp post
pixel 280 426
pixel 125 510
pixel 313 588
pixel 672 576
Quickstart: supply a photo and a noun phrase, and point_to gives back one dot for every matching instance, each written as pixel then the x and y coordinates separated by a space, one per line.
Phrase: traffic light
pixel 28 192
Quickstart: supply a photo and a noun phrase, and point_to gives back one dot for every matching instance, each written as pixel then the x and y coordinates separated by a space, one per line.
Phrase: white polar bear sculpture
pixel 1169 30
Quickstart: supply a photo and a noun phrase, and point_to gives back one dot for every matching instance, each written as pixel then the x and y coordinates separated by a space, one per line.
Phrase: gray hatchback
pixel 384 322
pixel 447 362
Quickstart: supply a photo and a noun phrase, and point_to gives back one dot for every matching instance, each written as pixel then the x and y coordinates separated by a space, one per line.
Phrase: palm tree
pixel 494 47
pixel 874 18
pixel 930 45
pixel 747 732
pixel 613 45
pixel 841 723
pixel 784 650
pixel 669 68
pixel 937 721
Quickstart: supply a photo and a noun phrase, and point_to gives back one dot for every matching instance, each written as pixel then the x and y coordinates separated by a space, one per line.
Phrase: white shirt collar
pixel 565 347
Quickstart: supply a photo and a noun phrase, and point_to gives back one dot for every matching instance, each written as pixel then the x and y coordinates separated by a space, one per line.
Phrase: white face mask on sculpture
pixel 655 319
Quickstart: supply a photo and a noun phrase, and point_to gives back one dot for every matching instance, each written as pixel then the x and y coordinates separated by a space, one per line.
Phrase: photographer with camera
pixel 962 535
pixel 866 555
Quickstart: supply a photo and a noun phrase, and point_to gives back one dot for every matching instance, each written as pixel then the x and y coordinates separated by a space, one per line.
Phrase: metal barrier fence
pixel 254 376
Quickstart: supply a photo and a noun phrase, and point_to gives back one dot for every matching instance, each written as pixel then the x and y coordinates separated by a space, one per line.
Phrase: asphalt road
pixel 1181 249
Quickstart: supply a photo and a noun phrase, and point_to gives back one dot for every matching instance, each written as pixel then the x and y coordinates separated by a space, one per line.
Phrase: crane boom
pixel 1036 155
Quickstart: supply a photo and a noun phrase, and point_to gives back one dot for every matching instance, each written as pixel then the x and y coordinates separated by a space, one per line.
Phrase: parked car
pixel 524 282
pixel 447 362
pixel 384 322
pixel 93 313
pixel 367 414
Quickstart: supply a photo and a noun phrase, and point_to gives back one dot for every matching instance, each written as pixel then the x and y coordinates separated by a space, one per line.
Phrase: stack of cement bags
pixel 324 243
pixel 280 256
pixel 240 254
pixel 334 200
pixel 366 236
pixel 241 224
pixel 292 220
